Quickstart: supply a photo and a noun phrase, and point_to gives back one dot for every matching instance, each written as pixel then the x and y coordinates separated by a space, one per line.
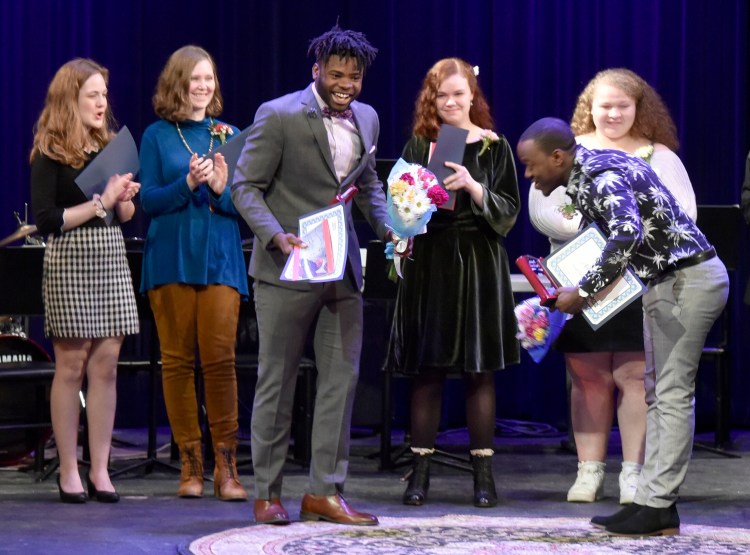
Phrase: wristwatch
pixel 99 206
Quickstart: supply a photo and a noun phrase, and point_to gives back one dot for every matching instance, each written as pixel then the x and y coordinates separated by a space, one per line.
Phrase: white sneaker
pixel 589 485
pixel 629 476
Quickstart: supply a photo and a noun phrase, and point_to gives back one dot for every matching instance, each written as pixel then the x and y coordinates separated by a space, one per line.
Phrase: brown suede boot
pixel 227 486
pixel 191 476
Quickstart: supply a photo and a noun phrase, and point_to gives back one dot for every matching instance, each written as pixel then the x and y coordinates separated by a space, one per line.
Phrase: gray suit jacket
pixel 286 170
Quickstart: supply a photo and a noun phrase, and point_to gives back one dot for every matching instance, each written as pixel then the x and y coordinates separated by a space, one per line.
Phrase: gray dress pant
pixel 284 318
pixel 679 308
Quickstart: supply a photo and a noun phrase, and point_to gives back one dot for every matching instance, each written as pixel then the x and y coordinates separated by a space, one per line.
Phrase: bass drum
pixel 18 401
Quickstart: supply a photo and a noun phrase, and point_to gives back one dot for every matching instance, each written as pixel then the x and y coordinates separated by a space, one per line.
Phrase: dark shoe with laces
pixel 485 494
pixel 622 514
pixel 419 481
pixel 649 521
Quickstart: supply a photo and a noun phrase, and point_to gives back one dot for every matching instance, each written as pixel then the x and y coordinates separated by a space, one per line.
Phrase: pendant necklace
pixel 210 142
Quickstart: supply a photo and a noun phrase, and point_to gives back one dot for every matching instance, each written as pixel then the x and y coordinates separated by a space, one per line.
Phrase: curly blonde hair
pixel 171 100
pixel 426 119
pixel 652 119
pixel 59 133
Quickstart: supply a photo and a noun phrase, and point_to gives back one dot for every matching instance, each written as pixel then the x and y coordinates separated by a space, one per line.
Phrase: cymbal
pixel 20 233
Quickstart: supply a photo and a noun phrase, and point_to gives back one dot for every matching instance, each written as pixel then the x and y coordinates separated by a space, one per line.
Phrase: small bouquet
pixel 538 327
pixel 413 195
pixel 221 130
pixel 488 138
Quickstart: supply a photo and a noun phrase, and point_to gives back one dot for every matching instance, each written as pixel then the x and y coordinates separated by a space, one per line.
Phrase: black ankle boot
pixel 419 480
pixel 485 494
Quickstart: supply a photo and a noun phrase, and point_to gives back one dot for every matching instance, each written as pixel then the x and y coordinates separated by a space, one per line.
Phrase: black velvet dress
pixel 454 309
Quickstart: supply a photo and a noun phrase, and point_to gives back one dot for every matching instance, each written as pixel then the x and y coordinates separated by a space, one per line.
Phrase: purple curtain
pixel 534 56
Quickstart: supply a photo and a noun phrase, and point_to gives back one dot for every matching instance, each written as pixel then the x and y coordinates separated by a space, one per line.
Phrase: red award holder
pixel 346 195
pixel 531 267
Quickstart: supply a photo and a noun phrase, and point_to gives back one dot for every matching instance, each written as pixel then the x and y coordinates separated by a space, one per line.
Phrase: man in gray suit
pixel 303 149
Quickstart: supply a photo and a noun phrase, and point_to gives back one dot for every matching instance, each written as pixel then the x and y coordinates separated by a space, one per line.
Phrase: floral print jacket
pixel 645 225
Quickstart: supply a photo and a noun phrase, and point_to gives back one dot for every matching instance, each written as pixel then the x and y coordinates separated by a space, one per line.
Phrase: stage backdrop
pixel 534 57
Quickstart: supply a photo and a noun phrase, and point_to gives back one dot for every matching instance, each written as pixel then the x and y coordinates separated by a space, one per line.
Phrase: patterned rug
pixel 454 534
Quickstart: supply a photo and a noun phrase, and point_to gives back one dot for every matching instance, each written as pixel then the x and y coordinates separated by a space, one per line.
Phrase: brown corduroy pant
pixel 206 315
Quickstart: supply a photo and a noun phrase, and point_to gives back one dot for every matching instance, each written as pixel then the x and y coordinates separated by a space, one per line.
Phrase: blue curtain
pixel 534 57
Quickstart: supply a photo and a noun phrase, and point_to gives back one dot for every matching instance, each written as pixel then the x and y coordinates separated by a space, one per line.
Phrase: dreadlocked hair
pixel 345 44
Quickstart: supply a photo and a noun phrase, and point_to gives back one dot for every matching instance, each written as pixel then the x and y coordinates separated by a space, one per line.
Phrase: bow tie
pixel 328 113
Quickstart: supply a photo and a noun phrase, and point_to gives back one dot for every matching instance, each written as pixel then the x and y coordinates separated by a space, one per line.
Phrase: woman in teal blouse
pixel 193 267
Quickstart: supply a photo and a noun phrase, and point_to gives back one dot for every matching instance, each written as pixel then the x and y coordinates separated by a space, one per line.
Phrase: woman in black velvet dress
pixel 454 311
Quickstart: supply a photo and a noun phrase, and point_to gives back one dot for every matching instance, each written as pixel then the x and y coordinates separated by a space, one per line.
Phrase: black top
pixel 53 189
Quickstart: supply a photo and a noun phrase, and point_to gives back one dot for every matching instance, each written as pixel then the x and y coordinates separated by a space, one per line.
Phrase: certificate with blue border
pixel 568 264
pixel 324 257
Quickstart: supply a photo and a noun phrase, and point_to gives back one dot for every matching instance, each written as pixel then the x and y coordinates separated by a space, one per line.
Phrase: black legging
pixel 426 399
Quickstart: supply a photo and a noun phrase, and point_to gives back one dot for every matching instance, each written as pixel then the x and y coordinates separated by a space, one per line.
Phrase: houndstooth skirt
pixel 87 287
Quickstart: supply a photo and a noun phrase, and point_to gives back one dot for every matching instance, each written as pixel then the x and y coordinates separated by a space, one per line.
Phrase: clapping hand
pixel 117 187
pixel 201 171
pixel 218 179
pixel 131 189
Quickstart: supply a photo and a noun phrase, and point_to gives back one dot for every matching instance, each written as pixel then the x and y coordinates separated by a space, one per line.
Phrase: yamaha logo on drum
pixel 4 359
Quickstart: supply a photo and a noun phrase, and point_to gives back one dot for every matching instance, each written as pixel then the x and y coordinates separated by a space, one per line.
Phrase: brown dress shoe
pixel 270 511
pixel 334 508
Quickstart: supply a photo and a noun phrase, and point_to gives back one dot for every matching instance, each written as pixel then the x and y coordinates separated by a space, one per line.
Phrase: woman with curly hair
pixel 89 304
pixel 454 310
pixel 617 110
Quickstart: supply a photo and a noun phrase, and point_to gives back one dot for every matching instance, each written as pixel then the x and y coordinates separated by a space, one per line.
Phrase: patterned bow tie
pixel 328 113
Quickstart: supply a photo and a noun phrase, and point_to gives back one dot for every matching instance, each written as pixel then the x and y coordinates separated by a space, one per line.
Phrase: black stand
pixel 392 458
pixel 151 459
pixel 723 228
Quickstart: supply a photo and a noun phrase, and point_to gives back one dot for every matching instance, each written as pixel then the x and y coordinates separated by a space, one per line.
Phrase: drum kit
pixel 25 231
pixel 15 349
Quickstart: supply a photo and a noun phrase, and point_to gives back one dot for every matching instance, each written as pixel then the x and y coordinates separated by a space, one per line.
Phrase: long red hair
pixel 426 119
pixel 59 132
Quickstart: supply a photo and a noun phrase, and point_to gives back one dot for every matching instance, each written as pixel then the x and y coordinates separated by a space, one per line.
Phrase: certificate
pixel 450 147
pixel 568 264
pixel 120 156
pixel 324 258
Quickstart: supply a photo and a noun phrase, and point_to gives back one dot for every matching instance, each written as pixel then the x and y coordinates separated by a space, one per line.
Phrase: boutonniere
pixel 488 137
pixel 645 152
pixel 567 209
pixel 220 130
pixel 312 113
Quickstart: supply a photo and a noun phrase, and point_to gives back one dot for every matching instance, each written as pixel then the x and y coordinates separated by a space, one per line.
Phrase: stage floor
pixel 532 476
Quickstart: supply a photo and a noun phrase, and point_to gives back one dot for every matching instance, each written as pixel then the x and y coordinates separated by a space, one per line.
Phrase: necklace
pixel 190 150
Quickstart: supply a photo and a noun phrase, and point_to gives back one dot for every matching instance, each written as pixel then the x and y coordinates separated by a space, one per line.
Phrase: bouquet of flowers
pixel 538 327
pixel 413 195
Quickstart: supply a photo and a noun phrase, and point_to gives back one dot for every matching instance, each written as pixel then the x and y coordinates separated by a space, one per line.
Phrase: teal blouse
pixel 193 236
